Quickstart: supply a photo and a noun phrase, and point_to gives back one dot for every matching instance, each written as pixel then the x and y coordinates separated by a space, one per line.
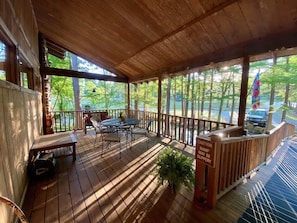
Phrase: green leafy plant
pixel 87 107
pixel 176 169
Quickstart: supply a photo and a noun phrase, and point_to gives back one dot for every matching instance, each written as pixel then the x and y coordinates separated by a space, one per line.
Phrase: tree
pixel 203 93
pixel 224 83
pixel 61 87
pixel 287 91
pixel 168 90
pixel 210 94
pixel 271 77
pixel 75 85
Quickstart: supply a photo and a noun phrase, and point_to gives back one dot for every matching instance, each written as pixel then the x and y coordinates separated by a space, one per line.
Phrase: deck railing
pixel 182 129
pixel 226 157
pixel 231 159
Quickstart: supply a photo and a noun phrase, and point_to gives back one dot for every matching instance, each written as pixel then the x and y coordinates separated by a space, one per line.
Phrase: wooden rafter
pixel 80 74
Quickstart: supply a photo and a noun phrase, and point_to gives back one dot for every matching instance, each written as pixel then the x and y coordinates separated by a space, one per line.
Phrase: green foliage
pixel 97 94
pixel 280 74
pixel 59 63
pixel 61 87
pixel 176 169
pixel 197 94
pixel 103 95
pixel 62 93
pixel 146 94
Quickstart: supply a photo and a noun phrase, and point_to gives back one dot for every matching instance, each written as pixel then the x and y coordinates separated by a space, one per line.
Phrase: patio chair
pixel 99 129
pixel 142 132
pixel 107 134
pixel 127 127
pixel 111 137
pixel 16 210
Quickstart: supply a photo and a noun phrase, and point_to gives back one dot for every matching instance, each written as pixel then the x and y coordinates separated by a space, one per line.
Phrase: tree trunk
pixel 136 102
pixel 233 101
pixel 272 93
pixel 75 85
pixel 221 100
pixel 105 96
pixel 210 96
pixel 269 120
pixel 220 109
pixel 168 96
pixel 187 95
pixel 284 114
pixel 174 98
pixel 193 96
pixel 168 106
pixel 203 94
pixel 145 96
pixel 182 96
pixel 198 96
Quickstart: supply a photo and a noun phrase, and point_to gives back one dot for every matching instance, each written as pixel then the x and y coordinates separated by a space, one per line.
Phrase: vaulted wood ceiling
pixel 141 40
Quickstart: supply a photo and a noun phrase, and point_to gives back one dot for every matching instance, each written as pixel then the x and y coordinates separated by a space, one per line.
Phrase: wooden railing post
pixel 207 157
pixel 200 188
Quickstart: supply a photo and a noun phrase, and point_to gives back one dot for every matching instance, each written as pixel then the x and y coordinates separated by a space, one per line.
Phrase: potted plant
pixel 176 169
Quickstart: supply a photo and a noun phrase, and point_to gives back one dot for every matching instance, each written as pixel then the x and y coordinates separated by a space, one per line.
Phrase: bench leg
pixel 74 152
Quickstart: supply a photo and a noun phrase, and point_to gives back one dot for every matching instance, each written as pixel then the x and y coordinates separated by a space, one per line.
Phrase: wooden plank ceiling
pixel 142 40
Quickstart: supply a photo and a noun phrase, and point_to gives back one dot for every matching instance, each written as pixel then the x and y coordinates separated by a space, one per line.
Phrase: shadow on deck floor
pixel 108 189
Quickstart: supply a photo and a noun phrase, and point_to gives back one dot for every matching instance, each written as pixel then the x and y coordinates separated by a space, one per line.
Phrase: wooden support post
pixel 208 152
pixel 243 90
pixel 128 100
pixel 159 105
pixel 136 107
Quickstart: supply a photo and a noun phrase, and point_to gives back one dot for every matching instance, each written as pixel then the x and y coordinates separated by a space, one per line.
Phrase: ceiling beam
pixel 60 52
pixel 80 74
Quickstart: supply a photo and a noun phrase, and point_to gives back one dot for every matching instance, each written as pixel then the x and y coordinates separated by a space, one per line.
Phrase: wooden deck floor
pixel 113 189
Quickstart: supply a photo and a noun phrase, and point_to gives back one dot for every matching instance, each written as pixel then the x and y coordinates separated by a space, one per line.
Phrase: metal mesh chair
pixel 109 135
pixel 142 132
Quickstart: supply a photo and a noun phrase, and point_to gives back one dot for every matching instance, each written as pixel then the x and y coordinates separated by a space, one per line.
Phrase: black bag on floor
pixel 43 164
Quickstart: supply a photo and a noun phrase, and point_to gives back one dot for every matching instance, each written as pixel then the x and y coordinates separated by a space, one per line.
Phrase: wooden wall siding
pixel 20 109
pixel 18 23
pixel 144 39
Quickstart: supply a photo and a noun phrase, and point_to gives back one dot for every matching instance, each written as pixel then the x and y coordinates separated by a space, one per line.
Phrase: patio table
pixel 114 122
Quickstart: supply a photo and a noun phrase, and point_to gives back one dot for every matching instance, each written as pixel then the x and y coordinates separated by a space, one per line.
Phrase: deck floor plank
pixel 52 202
pixel 106 188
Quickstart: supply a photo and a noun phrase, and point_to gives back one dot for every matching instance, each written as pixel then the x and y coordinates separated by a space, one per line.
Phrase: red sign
pixel 205 152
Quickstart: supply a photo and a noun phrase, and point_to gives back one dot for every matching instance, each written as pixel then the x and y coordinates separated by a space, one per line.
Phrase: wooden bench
pixel 55 141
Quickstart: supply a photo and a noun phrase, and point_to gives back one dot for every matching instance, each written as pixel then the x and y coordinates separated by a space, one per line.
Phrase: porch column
pixel 46 95
pixel 128 100
pixel 243 90
pixel 136 104
pixel 159 105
